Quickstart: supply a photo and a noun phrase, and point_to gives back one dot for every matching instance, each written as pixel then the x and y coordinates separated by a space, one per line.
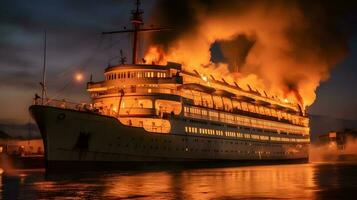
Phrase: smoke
pixel 283 47
pixel 330 152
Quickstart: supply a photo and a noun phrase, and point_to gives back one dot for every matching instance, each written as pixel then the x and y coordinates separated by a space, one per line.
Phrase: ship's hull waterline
pixel 83 137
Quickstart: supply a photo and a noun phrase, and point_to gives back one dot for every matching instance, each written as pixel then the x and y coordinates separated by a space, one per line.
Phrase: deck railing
pixel 124 112
pixel 64 104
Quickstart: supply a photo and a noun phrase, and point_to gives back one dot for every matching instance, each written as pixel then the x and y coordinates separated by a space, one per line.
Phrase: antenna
pixel 136 21
pixel 43 83
pixel 122 57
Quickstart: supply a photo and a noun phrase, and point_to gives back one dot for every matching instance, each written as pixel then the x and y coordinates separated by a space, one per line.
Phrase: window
pixel 145 103
pixel 255 137
pixel 239 135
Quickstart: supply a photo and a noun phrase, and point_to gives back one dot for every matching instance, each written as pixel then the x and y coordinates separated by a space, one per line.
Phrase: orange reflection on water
pixel 300 181
pixel 287 181
pixel 152 184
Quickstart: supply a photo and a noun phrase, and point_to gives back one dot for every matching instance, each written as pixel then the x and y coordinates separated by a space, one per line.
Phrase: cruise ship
pixel 145 112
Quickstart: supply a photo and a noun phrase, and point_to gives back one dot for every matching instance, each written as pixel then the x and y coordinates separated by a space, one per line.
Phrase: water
pixel 298 181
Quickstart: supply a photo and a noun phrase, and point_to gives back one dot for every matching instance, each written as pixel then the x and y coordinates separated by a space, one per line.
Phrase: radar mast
pixel 137 22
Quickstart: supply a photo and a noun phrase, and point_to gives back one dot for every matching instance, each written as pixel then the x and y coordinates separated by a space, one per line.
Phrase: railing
pixel 150 125
pixel 137 111
pixel 64 104
pixel 124 112
pixel 157 129
pixel 92 85
pixel 144 90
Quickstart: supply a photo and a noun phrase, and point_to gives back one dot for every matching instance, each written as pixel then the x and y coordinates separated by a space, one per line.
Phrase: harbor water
pixel 293 181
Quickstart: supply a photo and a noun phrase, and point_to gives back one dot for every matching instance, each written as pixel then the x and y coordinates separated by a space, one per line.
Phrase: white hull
pixel 77 136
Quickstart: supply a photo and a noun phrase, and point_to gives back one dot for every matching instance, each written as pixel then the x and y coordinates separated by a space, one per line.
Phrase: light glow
pixel 203 77
pixel 78 77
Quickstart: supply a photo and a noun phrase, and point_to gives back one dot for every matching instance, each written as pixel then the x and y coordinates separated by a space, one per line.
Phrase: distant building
pixel 320 125
pixel 340 138
pixel 21 147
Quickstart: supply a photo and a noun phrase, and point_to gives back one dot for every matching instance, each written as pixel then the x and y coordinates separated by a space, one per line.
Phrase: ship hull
pixel 80 137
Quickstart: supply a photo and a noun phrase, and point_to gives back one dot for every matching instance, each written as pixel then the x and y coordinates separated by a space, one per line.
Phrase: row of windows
pixel 227 104
pixel 121 75
pixel 206 131
pixel 238 119
pixel 233 134
pixel 289 139
pixel 189 129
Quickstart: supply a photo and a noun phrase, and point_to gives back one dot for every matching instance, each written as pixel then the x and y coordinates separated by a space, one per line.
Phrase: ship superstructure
pixel 148 94
pixel 150 112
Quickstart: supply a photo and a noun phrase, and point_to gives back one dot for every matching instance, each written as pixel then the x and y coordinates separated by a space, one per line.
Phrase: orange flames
pixel 283 57
pixel 155 55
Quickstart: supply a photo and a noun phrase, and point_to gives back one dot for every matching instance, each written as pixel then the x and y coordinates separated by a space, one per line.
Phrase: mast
pixel 43 83
pixel 137 22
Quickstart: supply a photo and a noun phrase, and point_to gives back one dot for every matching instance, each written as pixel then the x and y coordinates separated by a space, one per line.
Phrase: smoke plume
pixel 330 152
pixel 285 48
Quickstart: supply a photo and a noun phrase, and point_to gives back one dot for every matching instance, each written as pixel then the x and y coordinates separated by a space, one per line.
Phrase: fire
pixel 270 47
pixel 155 55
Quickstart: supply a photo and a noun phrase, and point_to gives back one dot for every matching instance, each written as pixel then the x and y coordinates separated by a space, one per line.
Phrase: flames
pixel 272 47
pixel 155 55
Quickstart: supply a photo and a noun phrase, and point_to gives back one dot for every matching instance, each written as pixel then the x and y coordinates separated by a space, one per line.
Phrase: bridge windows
pixel 136 74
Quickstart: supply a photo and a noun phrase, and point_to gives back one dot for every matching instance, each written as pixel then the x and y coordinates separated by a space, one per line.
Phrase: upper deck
pixel 165 89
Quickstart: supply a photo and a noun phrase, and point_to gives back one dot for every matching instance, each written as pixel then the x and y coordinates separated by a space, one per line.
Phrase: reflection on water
pixel 303 181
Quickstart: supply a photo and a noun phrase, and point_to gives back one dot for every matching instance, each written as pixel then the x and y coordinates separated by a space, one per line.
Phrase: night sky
pixel 75 44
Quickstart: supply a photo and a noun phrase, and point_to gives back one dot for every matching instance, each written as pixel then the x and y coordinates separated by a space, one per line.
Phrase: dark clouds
pixel 20 79
pixel 74 41
pixel 74 33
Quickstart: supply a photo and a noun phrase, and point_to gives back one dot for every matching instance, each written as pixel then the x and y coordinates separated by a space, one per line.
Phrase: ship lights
pixel 203 77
